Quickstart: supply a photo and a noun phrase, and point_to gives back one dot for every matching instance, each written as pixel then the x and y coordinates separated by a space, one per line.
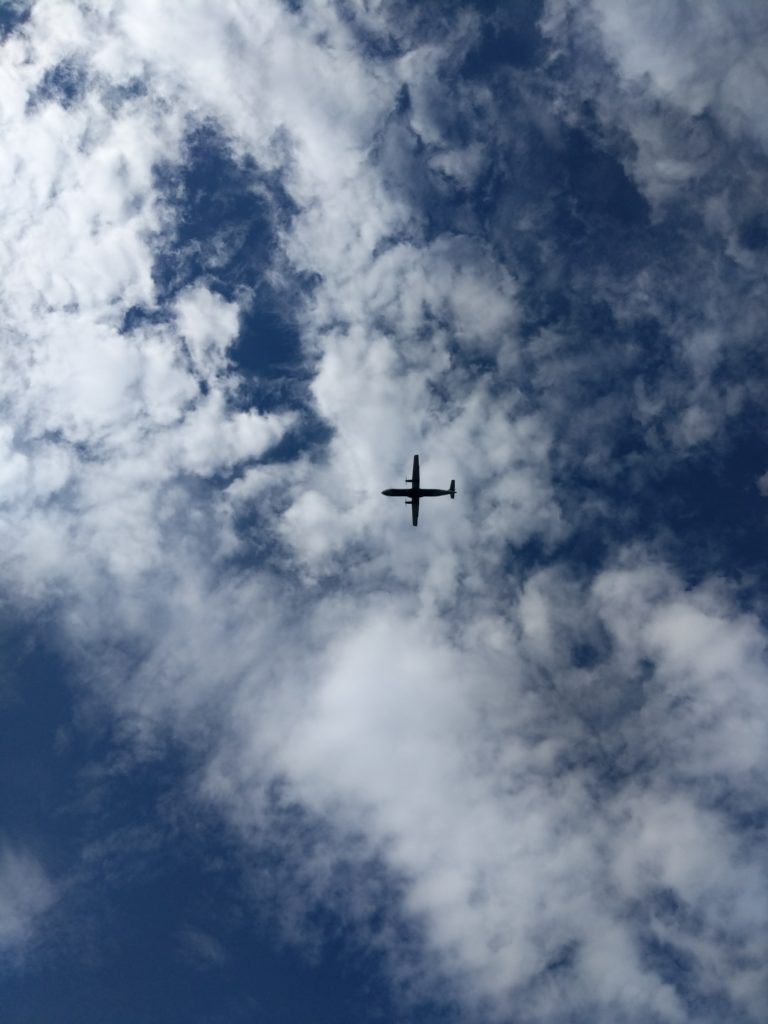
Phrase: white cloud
pixel 700 55
pixel 709 711
pixel 25 894
pixel 477 774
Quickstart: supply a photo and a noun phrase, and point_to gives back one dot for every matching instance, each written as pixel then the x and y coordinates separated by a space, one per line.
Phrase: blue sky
pixel 269 753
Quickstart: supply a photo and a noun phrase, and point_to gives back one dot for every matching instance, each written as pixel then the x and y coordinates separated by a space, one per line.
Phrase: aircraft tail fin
pixel 452 490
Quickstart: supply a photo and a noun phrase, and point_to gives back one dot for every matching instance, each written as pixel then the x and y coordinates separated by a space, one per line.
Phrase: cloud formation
pixel 554 761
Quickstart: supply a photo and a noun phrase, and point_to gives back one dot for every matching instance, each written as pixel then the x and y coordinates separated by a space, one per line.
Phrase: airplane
pixel 415 492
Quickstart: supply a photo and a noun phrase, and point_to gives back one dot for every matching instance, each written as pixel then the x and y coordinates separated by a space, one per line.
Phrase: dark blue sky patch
pixel 152 922
pixel 554 206
pixel 176 943
pixel 353 927
pixel 268 345
pixel 63 84
pixel 41 749
pixel 703 513
pixel 670 963
pixel 13 14
pixel 510 37
pixel 225 216
pixel 584 654
pixel 599 185
pixel 753 233
pixel 709 511
pixel 135 316
pixel 221 217
pixel 618 477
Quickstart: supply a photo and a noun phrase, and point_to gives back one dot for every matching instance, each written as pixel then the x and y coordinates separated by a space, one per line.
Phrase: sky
pixel 268 753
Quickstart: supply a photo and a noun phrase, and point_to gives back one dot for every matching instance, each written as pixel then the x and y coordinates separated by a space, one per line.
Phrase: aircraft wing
pixel 415 505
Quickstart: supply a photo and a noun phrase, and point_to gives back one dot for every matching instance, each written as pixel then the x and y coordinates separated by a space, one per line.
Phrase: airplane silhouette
pixel 414 492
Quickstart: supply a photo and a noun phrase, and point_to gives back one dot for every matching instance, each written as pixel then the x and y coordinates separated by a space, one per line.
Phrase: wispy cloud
pixel 26 893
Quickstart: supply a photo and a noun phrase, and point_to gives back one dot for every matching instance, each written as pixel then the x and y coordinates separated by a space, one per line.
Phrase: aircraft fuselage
pixel 410 492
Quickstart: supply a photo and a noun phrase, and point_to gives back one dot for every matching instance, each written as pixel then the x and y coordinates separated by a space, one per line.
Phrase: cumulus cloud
pixel 555 818
pixel 699 55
